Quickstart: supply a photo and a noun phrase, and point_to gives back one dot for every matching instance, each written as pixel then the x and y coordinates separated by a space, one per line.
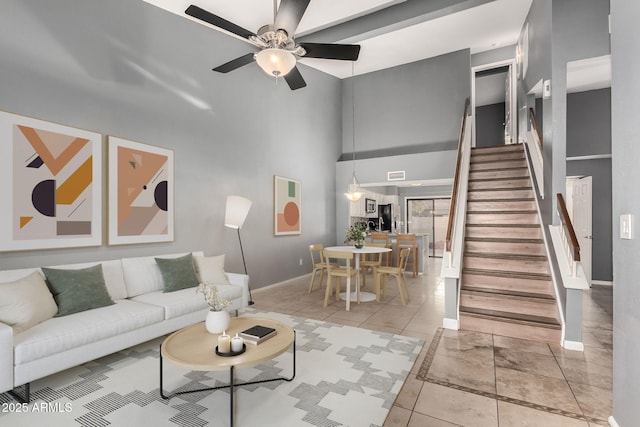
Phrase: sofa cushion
pixel 113 277
pixel 26 302
pixel 210 269
pixel 177 273
pixel 78 289
pixel 185 301
pixel 64 333
pixel 142 274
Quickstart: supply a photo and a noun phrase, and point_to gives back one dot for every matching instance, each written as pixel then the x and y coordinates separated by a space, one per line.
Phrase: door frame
pixel 571 181
pixel 511 63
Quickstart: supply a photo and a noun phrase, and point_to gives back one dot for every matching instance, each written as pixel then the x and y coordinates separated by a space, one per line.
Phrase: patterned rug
pixel 345 376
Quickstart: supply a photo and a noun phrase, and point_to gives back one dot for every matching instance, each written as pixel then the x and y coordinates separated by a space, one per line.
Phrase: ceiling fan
pixel 277 50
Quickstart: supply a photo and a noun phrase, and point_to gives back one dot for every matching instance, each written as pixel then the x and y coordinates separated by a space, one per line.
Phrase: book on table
pixel 257 334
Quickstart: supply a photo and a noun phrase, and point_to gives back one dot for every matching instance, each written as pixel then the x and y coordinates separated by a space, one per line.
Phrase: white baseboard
pixel 602 282
pixel 573 345
pixel 452 324
pixel 283 283
pixel 612 422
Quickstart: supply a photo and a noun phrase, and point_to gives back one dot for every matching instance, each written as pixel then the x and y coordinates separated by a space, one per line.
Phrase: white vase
pixel 217 321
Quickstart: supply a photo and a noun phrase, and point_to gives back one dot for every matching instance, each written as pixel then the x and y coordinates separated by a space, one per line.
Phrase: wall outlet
pixel 300 261
pixel 626 231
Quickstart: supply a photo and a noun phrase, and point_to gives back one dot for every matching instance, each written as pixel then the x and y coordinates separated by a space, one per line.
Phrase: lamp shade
pixel 236 211
pixel 275 62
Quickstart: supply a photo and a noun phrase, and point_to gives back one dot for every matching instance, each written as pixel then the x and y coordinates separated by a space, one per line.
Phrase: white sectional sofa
pixel 141 311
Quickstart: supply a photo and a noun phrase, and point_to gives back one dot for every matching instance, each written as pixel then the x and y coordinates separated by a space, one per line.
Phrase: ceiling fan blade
pixel 294 79
pixel 345 52
pixel 289 15
pixel 217 21
pixel 236 63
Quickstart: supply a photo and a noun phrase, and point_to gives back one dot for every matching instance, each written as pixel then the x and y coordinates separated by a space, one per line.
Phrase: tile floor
pixel 475 379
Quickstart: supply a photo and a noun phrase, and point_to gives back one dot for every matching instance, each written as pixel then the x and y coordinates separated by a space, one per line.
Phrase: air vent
pixel 395 176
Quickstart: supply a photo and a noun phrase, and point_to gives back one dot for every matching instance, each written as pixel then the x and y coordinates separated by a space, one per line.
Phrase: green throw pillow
pixel 77 290
pixel 178 273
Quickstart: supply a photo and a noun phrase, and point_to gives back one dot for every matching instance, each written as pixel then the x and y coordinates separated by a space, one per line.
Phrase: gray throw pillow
pixel 77 290
pixel 178 273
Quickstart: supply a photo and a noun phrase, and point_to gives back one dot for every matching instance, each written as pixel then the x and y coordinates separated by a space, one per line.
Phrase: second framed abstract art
pixel 141 193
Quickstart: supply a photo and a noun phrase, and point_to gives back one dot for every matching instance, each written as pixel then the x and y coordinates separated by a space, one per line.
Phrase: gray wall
pixel 417 104
pixel 589 133
pixel 135 71
pixel 490 125
pixel 625 146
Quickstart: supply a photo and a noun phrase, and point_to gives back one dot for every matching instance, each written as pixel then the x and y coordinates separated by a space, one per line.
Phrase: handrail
pixel 454 193
pixel 536 126
pixel 571 239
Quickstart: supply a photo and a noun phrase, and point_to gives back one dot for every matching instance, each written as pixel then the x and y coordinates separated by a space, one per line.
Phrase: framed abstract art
pixel 141 193
pixel 287 214
pixel 51 185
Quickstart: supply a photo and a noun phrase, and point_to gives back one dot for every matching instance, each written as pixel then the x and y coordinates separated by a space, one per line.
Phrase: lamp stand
pixel 245 267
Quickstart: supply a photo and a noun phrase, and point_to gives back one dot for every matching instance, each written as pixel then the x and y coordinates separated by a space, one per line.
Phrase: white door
pixel 581 219
pixel 507 108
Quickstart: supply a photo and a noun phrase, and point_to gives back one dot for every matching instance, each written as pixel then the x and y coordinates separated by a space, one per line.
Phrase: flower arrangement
pixel 356 233
pixel 212 297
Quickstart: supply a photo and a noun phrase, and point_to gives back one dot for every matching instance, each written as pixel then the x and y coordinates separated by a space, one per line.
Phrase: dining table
pixel 349 296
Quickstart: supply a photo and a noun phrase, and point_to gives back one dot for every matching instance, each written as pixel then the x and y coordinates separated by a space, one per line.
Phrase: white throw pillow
pixel 26 302
pixel 210 270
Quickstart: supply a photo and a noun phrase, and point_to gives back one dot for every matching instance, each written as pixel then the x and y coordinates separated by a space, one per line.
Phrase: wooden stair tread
pixel 505 225
pixel 517 321
pixel 509 212
pixel 503 290
pixel 537 310
pixel 498 255
pixel 504 273
pixel 500 189
pixel 504 240
pixel 501 178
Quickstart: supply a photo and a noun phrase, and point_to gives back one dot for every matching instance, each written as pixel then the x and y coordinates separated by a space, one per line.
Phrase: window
pixel 429 216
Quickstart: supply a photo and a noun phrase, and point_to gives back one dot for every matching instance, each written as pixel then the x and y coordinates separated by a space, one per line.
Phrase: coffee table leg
pixel 231 396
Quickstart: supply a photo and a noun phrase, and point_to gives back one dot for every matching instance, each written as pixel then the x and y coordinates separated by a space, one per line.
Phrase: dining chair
pixel 318 262
pixel 398 272
pixel 370 261
pixel 344 268
pixel 408 241
pixel 383 238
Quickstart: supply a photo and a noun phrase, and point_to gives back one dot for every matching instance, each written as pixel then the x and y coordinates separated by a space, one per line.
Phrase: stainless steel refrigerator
pixel 385 217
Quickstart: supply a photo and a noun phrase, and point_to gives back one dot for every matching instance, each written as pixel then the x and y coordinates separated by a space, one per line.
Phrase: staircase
pixel 506 287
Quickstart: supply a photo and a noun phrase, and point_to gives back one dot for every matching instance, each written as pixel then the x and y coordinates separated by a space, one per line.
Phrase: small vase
pixel 359 244
pixel 217 321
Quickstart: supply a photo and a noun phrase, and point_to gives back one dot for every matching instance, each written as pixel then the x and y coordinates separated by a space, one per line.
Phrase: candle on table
pixel 236 343
pixel 224 343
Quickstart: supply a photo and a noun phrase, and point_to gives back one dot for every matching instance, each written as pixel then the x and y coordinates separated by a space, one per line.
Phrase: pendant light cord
pixel 353 117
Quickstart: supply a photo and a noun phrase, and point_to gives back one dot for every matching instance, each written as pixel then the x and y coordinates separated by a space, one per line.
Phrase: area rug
pixel 450 372
pixel 345 376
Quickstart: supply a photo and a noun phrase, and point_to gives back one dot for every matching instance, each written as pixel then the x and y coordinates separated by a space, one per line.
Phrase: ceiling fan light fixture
pixel 275 62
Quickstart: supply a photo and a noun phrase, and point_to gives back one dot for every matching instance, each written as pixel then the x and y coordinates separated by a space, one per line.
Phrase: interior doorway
pixel 579 207
pixel 493 102
pixel 429 216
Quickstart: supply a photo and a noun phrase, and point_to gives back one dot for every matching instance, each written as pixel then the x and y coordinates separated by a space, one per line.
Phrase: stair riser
pixel 497 232
pixel 506 248
pixel 507 183
pixel 496 327
pixel 508 285
pixel 499 194
pixel 499 149
pixel 496 218
pixel 514 308
pixel 507 173
pixel 515 265
pixel 496 157
pixel 490 206
pixel 480 166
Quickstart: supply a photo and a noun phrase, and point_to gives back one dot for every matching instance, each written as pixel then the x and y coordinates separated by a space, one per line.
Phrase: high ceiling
pixel 391 32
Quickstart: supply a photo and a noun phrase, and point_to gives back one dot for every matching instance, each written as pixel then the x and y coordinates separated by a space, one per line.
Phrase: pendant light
pixel 354 193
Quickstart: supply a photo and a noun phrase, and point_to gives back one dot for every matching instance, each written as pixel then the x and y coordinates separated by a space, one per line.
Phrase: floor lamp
pixel 235 214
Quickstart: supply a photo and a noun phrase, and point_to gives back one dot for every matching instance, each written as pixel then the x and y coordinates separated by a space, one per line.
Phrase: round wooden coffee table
pixel 193 348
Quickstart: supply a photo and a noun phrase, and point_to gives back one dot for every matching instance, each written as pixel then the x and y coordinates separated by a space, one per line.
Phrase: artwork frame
pixel 287 206
pixel 136 215
pixel 55 196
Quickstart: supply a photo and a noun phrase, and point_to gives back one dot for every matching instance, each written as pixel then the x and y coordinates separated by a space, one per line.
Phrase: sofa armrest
pixel 241 280
pixel 6 358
